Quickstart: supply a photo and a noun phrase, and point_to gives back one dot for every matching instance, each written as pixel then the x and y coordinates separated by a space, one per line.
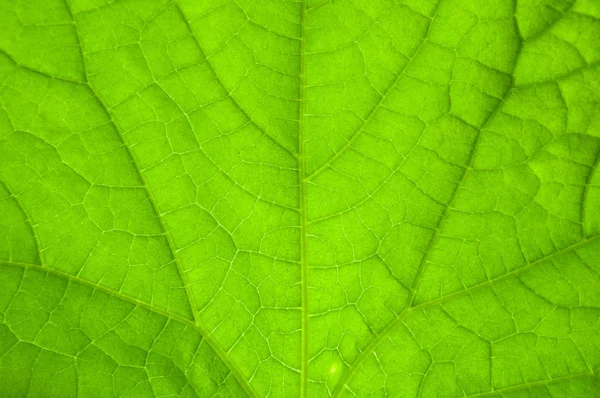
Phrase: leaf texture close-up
pixel 310 198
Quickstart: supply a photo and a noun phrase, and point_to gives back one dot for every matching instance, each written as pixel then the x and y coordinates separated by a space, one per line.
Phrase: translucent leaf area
pixel 309 198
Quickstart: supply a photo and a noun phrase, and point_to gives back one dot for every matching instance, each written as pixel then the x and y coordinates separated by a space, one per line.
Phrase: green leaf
pixel 299 198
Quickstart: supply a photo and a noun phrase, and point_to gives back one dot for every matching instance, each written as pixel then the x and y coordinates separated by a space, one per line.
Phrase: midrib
pixel 302 199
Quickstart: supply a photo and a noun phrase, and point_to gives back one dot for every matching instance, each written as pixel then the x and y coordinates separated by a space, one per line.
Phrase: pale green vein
pixel 114 293
pixel 318 5
pixel 146 187
pixel 432 241
pixel 450 206
pixel 563 76
pixel 152 200
pixel 466 172
pixel 586 191
pixel 302 183
pixel 534 384
pixel 79 46
pixel 194 307
pixel 552 24
pixel 428 304
pixel 155 209
pixel 382 99
pixel 289 151
pixel 237 374
pixel 38 72
pixel 508 275
pixel 35 236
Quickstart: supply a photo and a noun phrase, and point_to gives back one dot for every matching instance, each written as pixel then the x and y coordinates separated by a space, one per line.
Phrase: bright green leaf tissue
pixel 349 198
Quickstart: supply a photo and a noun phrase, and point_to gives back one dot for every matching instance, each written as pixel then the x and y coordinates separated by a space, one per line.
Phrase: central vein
pixel 302 198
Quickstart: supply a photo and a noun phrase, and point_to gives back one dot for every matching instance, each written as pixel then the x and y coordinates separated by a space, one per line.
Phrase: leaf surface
pixel 317 198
